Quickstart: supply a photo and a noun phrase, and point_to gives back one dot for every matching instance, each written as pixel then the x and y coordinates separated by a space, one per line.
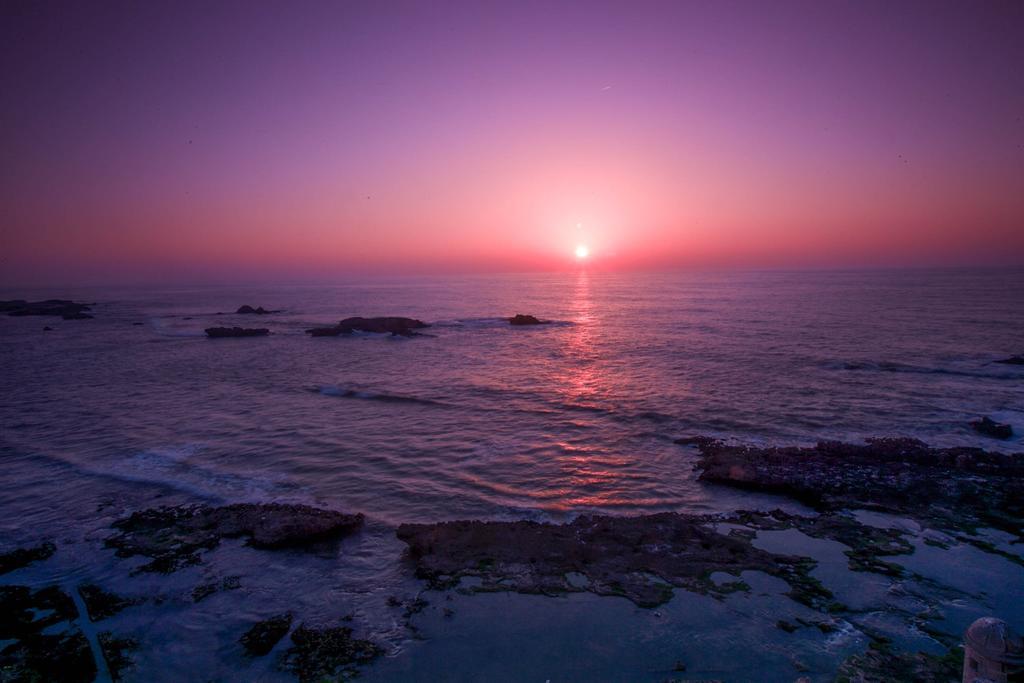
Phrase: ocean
pixel 475 419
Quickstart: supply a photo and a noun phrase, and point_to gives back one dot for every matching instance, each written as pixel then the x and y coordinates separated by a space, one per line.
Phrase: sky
pixel 188 141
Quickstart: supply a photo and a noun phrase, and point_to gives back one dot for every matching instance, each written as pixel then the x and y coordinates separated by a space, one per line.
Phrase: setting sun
pixel 582 251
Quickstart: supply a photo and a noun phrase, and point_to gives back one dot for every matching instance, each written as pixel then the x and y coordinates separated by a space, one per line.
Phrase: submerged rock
pixel 174 537
pixel 948 488
pixel 264 635
pixel 64 308
pixel 990 427
pixel 520 319
pixel 38 639
pixel 101 604
pixel 640 558
pixel 221 332
pixel 21 557
pixel 249 310
pixel 318 654
pixel 395 325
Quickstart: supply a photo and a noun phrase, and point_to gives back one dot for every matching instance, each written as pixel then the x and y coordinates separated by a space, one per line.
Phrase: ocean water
pixel 475 419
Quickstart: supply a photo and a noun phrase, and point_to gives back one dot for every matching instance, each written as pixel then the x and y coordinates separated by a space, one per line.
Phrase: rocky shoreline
pixel 644 559
pixel 953 489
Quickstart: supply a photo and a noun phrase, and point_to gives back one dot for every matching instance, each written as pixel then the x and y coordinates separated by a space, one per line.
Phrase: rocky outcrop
pixel 21 557
pixel 246 309
pixel 990 427
pixel 1012 360
pixel 264 635
pixel 174 537
pixel 520 319
pixel 64 308
pixel 404 327
pixel 947 488
pixel 225 332
pixel 640 558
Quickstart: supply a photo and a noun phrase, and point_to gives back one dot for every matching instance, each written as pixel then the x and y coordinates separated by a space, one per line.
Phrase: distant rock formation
pixel 520 319
pixel 249 310
pixel 1012 360
pixel 222 332
pixel 990 427
pixel 69 310
pixel 395 325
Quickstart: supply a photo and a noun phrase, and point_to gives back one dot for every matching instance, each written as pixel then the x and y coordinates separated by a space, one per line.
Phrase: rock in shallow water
pixel 246 309
pixel 264 635
pixel 948 488
pixel 640 558
pixel 323 653
pixel 101 604
pixel 117 651
pixel 990 427
pixel 21 557
pixel 173 537
pixel 520 319
pixel 38 639
pixel 404 327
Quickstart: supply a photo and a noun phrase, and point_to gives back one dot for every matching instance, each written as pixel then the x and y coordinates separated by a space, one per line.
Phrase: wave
pixel 159 326
pixel 889 366
pixel 345 392
pixel 541 404
pixel 171 467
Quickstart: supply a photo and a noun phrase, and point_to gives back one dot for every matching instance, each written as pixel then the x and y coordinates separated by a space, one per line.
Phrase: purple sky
pixel 180 141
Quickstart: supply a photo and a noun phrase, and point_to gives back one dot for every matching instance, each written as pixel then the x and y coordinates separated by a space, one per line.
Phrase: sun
pixel 582 251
